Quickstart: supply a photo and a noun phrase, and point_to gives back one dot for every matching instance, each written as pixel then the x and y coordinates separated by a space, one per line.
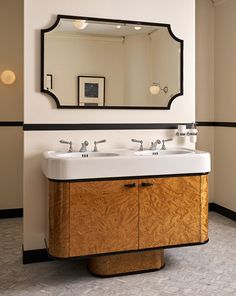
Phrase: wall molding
pixel 101 126
pixel 11 213
pixel 216 123
pixel 222 211
pixel 34 256
pixel 11 123
pixel 108 126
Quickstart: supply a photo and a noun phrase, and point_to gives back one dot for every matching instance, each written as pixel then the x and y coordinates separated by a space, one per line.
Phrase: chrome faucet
pixel 95 149
pixel 84 146
pixel 163 147
pixel 154 144
pixel 138 141
pixel 69 143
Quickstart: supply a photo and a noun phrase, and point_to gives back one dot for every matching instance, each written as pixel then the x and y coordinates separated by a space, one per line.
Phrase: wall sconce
pixel 80 24
pixel 8 77
pixel 155 88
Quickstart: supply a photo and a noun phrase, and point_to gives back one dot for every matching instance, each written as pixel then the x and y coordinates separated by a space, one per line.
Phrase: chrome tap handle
pixel 138 141
pixel 163 147
pixel 95 149
pixel 84 146
pixel 69 143
pixel 154 144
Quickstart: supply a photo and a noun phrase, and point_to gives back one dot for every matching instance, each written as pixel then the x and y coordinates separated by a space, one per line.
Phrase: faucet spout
pixel 84 146
pixel 154 144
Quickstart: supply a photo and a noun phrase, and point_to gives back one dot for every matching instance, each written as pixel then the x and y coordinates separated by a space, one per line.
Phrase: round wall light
pixel 80 24
pixel 154 89
pixel 8 77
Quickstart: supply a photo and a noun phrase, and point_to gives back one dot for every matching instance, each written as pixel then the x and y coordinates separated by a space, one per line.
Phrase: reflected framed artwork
pixel 91 91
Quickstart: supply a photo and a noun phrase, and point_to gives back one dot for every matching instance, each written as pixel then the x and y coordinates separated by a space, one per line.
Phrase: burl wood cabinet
pixel 95 217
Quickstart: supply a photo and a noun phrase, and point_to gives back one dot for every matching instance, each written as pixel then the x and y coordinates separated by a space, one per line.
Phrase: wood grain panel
pixel 103 217
pixel 169 211
pixel 59 219
pixel 204 208
pixel 126 263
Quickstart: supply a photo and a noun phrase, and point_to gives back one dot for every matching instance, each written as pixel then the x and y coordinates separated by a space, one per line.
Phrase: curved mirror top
pixel 98 63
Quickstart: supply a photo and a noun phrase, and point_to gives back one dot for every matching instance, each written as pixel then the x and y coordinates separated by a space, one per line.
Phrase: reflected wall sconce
pixel 80 24
pixel 8 77
pixel 155 88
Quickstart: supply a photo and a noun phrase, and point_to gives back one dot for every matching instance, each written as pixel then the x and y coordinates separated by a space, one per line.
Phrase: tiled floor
pixel 197 271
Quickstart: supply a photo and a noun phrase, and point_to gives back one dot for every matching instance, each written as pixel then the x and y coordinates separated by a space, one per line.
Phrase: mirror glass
pixel 98 63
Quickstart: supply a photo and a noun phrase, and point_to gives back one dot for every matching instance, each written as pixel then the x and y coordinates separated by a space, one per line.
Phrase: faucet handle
pixel 69 143
pixel 138 141
pixel 163 143
pixel 95 149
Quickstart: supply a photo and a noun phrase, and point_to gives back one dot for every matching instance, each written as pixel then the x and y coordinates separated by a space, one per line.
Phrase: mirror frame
pixel 168 26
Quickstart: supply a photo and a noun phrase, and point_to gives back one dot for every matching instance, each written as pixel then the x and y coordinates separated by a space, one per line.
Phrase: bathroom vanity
pixel 120 220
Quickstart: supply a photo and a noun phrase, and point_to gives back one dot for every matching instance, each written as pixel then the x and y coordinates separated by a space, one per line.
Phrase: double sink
pixel 59 165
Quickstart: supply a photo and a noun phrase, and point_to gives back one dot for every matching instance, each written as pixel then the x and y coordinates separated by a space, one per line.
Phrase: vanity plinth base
pixel 128 263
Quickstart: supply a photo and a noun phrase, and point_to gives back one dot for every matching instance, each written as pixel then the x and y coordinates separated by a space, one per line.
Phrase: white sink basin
pixel 58 165
pixel 84 154
pixel 161 152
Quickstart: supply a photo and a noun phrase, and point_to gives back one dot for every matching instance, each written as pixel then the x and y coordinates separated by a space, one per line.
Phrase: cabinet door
pixel 103 217
pixel 169 211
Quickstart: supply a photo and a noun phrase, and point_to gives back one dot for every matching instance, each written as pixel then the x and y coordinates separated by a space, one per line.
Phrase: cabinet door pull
pixel 131 185
pixel 146 184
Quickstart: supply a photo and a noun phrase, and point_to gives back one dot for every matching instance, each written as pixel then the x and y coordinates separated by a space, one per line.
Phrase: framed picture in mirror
pixel 91 91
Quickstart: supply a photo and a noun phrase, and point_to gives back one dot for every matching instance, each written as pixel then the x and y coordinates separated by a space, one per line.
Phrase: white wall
pixel 41 109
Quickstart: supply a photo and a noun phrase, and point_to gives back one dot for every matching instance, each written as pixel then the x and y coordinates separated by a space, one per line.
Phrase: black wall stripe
pixel 216 123
pixel 11 123
pixel 102 126
pixel 108 126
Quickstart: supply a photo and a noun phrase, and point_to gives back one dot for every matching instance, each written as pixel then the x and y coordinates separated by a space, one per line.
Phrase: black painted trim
pixel 222 211
pixel 211 207
pixel 125 273
pixel 11 213
pixel 168 26
pixel 205 123
pixel 34 256
pixel 128 178
pixel 216 123
pixel 100 126
pixel 11 123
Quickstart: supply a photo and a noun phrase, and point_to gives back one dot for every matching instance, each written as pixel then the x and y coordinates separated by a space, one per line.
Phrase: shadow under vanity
pixel 119 209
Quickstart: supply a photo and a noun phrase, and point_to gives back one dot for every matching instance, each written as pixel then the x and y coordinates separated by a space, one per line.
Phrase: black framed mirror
pixel 111 64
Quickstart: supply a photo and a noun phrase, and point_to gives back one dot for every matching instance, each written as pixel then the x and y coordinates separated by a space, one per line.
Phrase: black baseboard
pixel 211 207
pixel 222 211
pixel 11 213
pixel 34 256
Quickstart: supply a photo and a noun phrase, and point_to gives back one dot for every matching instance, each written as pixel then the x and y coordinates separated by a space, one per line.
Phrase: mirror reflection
pixel 91 63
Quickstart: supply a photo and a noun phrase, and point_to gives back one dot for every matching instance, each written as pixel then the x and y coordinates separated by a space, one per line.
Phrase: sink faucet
pixel 154 145
pixel 95 149
pixel 163 147
pixel 69 143
pixel 138 141
pixel 84 146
